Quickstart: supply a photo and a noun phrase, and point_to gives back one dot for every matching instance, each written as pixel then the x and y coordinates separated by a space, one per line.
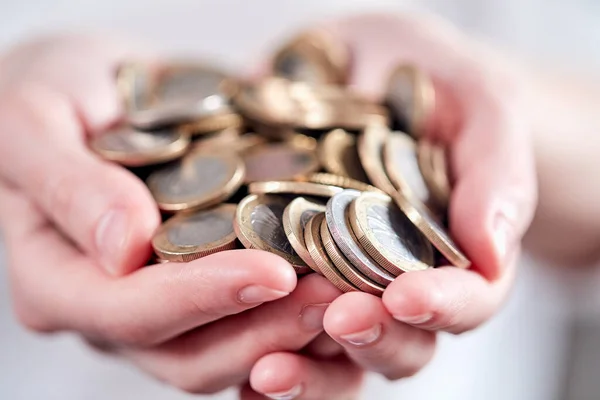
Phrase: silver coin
pixel 295 67
pixel 343 236
pixel 401 97
pixel 129 140
pixel 266 221
pixel 279 162
pixel 402 166
pixel 193 231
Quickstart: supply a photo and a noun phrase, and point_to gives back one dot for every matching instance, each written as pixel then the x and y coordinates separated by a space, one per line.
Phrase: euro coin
pixel 345 267
pixel 371 143
pixel 340 181
pixel 198 180
pixel 388 235
pixel 258 225
pixel 133 148
pixel 314 243
pixel 186 237
pixel 434 167
pixel 314 57
pixel 338 222
pixel 411 98
pixel 295 218
pixel 279 162
pixel 297 188
pixel 338 155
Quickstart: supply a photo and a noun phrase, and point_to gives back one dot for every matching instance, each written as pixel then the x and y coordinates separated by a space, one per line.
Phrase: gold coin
pixel 280 102
pixel 388 235
pixel 427 223
pixel 198 180
pixel 185 92
pixel 279 161
pixel 258 225
pixel 370 149
pixel 345 267
pixel 315 57
pixel 340 181
pixel 229 140
pixel 298 188
pixel 134 148
pixel 339 155
pixel 225 119
pixel 295 218
pixel 186 236
pixel 314 243
pixel 134 82
pixel 402 167
pixel 411 98
pixel 434 167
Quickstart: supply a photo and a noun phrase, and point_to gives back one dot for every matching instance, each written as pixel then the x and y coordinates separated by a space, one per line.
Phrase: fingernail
pixel 504 238
pixel 259 294
pixel 111 236
pixel 311 316
pixel 365 337
pixel 415 319
pixel 287 395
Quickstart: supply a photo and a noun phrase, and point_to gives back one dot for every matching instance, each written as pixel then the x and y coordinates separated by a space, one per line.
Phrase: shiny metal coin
pixel 134 148
pixel 411 98
pixel 279 162
pixel 134 82
pixel 427 223
pixel 314 57
pixel 343 236
pixel 198 180
pixel 340 181
pixel 298 188
pixel 402 167
pixel 338 155
pixel 258 225
pixel 371 143
pixel 186 237
pixel 295 218
pixel 314 243
pixel 433 164
pixel 345 267
pixel 388 235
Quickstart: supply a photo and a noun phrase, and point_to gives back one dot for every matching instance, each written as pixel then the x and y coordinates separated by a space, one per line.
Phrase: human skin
pixel 193 325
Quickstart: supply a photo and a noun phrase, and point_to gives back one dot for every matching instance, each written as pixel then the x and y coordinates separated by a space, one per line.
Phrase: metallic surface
pixel 338 155
pixel 279 161
pixel 298 188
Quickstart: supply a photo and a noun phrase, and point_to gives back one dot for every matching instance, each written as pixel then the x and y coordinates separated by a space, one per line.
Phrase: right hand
pixel 78 229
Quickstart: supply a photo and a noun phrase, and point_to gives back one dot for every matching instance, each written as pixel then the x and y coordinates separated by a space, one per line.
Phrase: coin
pixel 295 218
pixel 427 223
pixel 337 180
pixel 186 237
pixel 402 167
pixel 134 148
pixel 198 180
pixel 345 267
pixel 314 243
pixel 434 167
pixel 315 57
pixel 226 118
pixel 411 98
pixel 388 235
pixel 280 102
pixel 279 161
pixel 338 155
pixel 258 225
pixel 343 236
pixel 299 188
pixel 370 149
pixel 185 92
pixel 133 84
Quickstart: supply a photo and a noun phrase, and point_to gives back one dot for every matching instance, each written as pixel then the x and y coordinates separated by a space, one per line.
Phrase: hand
pixel 492 203
pixel 77 231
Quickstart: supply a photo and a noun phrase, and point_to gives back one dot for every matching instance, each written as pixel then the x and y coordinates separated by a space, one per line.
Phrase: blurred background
pixel 544 345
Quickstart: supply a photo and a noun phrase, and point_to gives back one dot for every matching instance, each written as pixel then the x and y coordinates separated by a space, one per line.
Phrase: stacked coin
pixel 295 164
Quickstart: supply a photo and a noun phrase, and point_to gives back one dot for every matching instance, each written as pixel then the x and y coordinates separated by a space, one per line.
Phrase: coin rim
pixel 325 178
pixel 166 250
pixel 234 182
pixel 329 153
pixel 297 188
pixel 291 226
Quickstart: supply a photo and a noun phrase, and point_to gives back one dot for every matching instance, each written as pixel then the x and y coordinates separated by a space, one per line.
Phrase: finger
pixel 374 340
pixel 149 306
pixel 323 347
pixel 220 355
pixel 495 192
pixel 292 376
pixel 106 210
pixel 449 299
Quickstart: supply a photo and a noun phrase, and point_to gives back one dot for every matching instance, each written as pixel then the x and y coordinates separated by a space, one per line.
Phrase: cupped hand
pixel 492 204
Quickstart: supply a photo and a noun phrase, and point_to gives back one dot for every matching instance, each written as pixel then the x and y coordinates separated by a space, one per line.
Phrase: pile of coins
pixel 295 164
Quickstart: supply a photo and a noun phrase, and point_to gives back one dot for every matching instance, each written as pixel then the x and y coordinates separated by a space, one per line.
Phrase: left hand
pixel 492 204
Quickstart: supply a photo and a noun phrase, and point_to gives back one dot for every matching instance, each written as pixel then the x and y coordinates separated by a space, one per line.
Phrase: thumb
pixel 104 209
